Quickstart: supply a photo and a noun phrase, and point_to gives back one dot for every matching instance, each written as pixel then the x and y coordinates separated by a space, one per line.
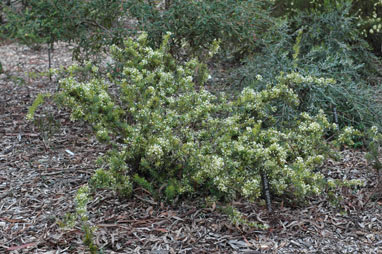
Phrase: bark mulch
pixel 43 163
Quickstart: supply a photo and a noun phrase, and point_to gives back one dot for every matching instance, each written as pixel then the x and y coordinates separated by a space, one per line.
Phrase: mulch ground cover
pixel 44 162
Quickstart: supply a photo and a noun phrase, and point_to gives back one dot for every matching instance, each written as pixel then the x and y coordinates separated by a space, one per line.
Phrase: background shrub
pixel 304 45
pixel 103 23
pixel 237 24
pixel 90 24
pixel 368 15
pixel 37 21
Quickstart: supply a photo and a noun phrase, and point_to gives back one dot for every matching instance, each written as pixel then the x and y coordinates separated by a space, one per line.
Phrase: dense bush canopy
pixel 173 136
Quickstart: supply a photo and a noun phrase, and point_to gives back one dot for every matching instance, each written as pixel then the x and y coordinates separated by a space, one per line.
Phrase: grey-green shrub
pixel 175 138
pixel 303 44
pixel 367 14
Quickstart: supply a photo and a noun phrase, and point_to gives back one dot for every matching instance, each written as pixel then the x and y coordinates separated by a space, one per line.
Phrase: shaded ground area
pixel 43 164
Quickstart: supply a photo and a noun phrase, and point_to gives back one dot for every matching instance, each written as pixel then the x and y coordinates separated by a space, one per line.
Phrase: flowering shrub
pixel 175 138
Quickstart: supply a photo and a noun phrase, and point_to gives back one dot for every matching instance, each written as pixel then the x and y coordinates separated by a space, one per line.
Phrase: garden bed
pixel 43 164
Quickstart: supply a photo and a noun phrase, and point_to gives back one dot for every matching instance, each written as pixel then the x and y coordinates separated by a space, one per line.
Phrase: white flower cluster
pixel 347 135
pixel 154 152
pixel 375 21
pixel 297 78
pixel 102 134
pixel 251 188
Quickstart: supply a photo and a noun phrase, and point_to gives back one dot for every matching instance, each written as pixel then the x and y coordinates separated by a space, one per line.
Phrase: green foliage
pixel 237 24
pixel 370 22
pixel 41 22
pixel 341 55
pixel 296 48
pixel 238 219
pixel 140 181
pixel 367 14
pixel 374 158
pixel 38 101
pixel 172 189
pixel 91 24
pixel 1 15
pixel 343 39
pixel 47 124
pixel 1 68
pixel 82 199
pixel 168 133
pixel 116 177
pixel 70 220
pixel 374 149
pixel 101 25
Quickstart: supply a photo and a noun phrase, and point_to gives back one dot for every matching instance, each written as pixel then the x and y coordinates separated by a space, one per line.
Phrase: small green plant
pixel 238 219
pixel 374 159
pixel 374 150
pixel 17 80
pixel 80 216
pixel 296 47
pixel 69 221
pixel 82 199
pixel 38 101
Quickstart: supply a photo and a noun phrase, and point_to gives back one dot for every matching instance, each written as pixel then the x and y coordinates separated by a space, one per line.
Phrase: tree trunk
pixel 266 192
pixel 7 3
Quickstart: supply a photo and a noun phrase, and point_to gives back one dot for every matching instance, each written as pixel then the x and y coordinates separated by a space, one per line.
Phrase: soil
pixel 44 162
